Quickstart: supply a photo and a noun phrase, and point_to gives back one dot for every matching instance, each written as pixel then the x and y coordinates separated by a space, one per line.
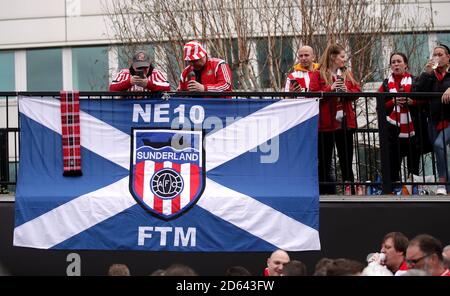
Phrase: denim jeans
pixel 441 149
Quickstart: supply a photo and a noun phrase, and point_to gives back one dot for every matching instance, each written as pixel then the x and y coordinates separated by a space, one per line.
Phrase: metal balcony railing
pixel 373 148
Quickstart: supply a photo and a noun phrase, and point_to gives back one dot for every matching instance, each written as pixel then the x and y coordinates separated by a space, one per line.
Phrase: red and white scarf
pixel 70 127
pixel 400 115
pixel 339 105
pixel 302 78
pixel 443 124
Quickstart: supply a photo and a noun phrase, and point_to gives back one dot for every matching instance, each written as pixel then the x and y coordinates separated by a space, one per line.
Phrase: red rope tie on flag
pixel 70 131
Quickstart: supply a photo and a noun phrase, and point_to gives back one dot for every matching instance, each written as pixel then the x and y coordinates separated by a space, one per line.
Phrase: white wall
pixel 44 23
pixel 420 12
pixel 41 23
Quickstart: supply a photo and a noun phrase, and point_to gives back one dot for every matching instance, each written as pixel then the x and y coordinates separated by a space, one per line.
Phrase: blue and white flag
pixel 198 175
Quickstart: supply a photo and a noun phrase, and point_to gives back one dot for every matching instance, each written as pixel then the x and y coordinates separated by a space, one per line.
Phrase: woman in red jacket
pixel 337 119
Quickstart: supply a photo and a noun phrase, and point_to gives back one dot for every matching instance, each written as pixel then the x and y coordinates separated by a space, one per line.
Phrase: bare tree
pixel 258 38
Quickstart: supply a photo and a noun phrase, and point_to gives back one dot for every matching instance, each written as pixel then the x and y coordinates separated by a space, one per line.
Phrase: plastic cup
pixel 435 63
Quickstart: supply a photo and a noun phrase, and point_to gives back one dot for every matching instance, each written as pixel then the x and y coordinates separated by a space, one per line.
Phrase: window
pixel 174 58
pixel 7 80
pixel 227 50
pixel 366 61
pixel 282 61
pixel 44 69
pixel 415 46
pixel 90 68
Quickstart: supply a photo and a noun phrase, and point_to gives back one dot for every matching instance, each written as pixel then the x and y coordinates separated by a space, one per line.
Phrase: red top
pixel 215 76
pixel 157 81
pixel 328 106
pixel 402 269
pixel 403 266
pixel 446 272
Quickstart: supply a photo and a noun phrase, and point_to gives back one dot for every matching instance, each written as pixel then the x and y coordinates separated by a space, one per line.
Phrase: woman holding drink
pixel 436 78
pixel 337 118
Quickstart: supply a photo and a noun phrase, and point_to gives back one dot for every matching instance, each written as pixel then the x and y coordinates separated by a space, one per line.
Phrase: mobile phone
pixel 140 73
pixel 341 79
pixel 294 84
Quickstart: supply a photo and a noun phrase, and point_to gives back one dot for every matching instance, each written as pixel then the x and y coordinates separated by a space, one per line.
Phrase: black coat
pixel 429 83
pixel 419 114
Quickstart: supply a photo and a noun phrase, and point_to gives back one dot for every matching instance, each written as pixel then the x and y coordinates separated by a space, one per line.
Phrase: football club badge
pixel 167 172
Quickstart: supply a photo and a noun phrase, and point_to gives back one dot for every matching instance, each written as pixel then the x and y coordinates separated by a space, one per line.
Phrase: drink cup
pixel 435 63
pixel 382 257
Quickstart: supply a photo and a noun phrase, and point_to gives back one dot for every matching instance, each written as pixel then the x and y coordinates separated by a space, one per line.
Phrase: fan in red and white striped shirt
pixel 141 76
pixel 204 73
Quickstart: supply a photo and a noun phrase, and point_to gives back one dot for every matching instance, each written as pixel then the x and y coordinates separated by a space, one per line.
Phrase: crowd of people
pixel 415 126
pixel 424 255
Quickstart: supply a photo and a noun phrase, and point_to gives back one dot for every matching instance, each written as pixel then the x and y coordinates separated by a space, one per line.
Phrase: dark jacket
pixel 415 109
pixel 429 83
pixel 419 113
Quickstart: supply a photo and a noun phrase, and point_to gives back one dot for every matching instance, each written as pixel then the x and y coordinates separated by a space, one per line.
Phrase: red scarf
pixel 70 127
pixel 400 115
pixel 302 79
pixel 440 76
pixel 443 124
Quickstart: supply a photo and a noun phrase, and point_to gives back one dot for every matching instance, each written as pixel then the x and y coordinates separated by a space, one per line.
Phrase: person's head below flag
pixel 276 262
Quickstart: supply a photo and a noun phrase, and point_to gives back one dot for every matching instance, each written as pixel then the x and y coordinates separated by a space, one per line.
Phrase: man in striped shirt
pixel 204 73
pixel 299 80
pixel 141 76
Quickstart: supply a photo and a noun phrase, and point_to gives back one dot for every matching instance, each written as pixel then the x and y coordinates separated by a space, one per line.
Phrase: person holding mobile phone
pixel 141 76
pixel 304 73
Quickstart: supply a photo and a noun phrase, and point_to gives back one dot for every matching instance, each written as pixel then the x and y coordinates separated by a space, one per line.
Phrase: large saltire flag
pixel 179 175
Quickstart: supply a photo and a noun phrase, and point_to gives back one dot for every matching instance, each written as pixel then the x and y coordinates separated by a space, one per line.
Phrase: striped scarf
pixel 400 115
pixel 70 127
pixel 339 107
pixel 443 124
pixel 301 77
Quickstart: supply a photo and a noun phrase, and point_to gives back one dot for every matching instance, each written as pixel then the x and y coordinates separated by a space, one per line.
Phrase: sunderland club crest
pixel 167 174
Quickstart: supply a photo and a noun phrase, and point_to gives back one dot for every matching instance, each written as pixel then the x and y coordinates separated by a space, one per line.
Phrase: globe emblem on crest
pixel 166 184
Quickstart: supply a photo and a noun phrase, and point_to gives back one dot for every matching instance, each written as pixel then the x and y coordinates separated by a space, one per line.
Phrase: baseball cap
pixel 141 59
pixel 194 51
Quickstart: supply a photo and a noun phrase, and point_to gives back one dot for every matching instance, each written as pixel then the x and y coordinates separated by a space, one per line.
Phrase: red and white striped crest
pixel 167 177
